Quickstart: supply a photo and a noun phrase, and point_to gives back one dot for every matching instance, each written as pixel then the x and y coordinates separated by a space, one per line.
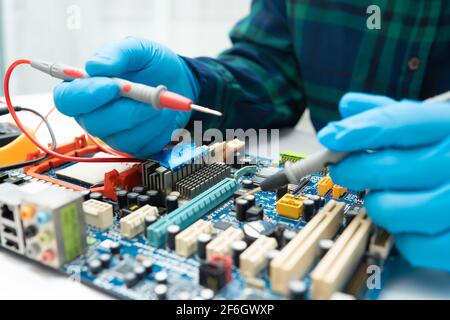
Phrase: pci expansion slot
pixel 191 212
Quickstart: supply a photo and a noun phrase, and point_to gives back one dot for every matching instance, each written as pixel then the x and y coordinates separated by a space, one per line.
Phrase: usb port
pixel 9 230
pixel 12 244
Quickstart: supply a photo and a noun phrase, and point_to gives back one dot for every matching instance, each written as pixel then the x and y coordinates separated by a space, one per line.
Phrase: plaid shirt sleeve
pixel 256 83
pixel 288 55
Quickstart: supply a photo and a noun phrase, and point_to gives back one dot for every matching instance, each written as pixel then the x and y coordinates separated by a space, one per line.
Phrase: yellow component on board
pixel 338 191
pixel 325 184
pixel 289 206
pixel 17 150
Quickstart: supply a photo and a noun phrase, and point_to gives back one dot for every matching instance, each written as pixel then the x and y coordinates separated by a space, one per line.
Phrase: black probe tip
pixel 275 181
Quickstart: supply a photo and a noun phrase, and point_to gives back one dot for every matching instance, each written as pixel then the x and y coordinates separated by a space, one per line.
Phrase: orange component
pixel 27 212
pixel 82 147
pixel 17 150
pixel 325 184
pixel 338 191
pixel 227 264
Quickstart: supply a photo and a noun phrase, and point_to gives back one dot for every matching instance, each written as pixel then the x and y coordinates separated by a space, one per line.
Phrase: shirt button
pixel 414 63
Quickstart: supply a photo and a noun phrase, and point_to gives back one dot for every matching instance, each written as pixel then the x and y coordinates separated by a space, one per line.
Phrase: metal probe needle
pixel 205 110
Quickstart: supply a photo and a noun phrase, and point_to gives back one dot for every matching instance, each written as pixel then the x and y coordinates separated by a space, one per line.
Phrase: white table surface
pixel 20 279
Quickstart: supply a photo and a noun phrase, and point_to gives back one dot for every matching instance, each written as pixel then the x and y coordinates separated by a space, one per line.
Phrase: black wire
pixel 44 157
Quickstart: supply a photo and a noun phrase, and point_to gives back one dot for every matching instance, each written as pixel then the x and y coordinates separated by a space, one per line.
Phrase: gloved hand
pixel 408 174
pixel 124 124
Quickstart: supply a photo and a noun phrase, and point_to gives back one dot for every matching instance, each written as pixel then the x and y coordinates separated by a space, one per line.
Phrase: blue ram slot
pixel 179 155
pixel 192 211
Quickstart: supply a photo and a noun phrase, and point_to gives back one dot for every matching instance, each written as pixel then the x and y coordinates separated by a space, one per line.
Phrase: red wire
pixel 34 140
pixel 46 118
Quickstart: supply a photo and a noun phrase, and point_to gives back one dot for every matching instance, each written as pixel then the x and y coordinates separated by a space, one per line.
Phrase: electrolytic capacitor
pixel 114 247
pixel 237 248
pixel 149 219
pixel 122 198
pixel 324 246
pixel 142 200
pixel 202 241
pixel 288 235
pixel 148 266
pixel 161 277
pixel 105 260
pixel 309 210
pixel 130 279
pixel 247 184
pixel 317 201
pixel 95 266
pixel 297 290
pixel 240 208
pixel 161 292
pixel 139 189
pixel 132 198
pixel 155 199
pixel 251 200
pixel 270 255
pixel 171 203
pixel 172 232
pixel 139 271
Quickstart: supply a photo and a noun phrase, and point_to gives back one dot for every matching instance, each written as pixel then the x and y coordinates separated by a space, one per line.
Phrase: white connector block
pixel 134 223
pixel 221 245
pixel 98 214
pixel 253 260
pixel 186 241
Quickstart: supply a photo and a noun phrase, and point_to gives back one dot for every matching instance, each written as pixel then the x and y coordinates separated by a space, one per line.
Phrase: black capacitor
pixel 288 235
pixel 297 290
pixel 270 255
pixel 240 207
pixel 309 210
pixel 122 198
pixel 202 241
pixel 281 191
pixel 172 232
pixel 251 199
pixel 95 266
pixel 114 248
pixel 161 277
pixel 349 215
pixel 139 189
pixel 132 198
pixel 237 248
pixel 149 219
pixel 324 246
pixel 139 271
pixel 247 184
pixel 130 279
pixel 277 233
pixel 171 203
pixel 161 291
pixel 148 266
pixel 142 200
pixel 317 201
pixel 96 196
pixel 155 199
pixel 105 259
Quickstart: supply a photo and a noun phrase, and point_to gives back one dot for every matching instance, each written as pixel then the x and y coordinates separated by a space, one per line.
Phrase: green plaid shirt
pixel 288 55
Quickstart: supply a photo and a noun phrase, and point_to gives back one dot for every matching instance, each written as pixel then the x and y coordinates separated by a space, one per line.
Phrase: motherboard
pixel 185 225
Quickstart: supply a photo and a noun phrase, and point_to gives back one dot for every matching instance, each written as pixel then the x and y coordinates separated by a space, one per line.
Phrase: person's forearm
pixel 256 83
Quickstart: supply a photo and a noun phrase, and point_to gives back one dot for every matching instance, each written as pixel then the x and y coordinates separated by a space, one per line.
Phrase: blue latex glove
pixel 124 124
pixel 408 175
